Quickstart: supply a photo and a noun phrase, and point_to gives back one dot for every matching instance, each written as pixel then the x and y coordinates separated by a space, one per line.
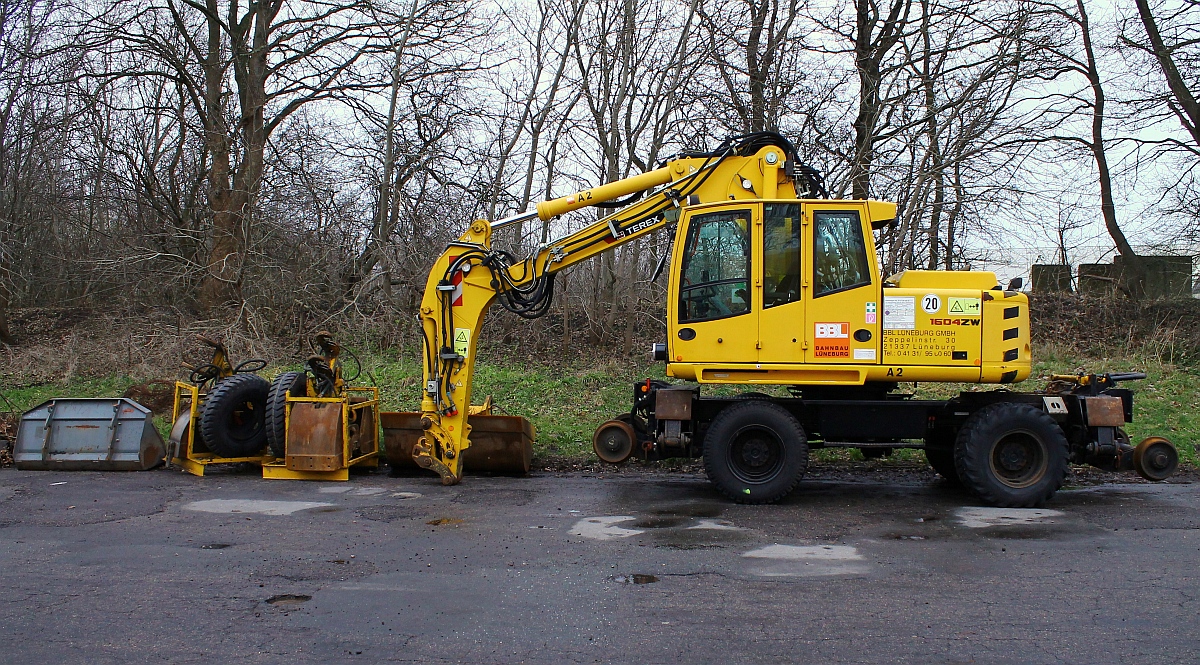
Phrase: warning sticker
pixel 969 306
pixel 870 312
pixel 832 340
pixel 899 312
pixel 462 341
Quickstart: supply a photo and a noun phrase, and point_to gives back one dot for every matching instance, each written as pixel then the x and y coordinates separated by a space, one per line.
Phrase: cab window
pixel 716 262
pixel 839 252
pixel 781 254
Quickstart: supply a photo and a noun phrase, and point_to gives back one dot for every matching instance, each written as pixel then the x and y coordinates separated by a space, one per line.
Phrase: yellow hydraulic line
pixel 602 193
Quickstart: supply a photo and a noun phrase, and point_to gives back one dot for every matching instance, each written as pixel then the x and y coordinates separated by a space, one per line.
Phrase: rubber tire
pixel 987 427
pixel 942 461
pixel 939 452
pixel 275 417
pixel 720 439
pixel 223 404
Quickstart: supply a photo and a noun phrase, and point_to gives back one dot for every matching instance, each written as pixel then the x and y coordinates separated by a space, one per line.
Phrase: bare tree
pixel 753 49
pixel 1182 100
pixel 271 59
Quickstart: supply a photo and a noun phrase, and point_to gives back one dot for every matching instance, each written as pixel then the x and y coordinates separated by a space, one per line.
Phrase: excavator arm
pixel 471 275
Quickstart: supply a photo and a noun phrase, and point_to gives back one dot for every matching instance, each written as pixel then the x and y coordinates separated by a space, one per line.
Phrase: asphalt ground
pixel 572 568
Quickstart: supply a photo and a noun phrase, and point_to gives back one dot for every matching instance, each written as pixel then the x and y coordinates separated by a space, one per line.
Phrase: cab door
pixel 781 321
pixel 842 290
pixel 712 314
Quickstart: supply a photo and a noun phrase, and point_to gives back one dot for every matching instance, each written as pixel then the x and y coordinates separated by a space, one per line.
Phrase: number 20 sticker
pixel 931 304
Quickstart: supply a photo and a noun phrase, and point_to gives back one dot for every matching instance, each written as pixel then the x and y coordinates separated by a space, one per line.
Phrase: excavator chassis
pixel 1012 448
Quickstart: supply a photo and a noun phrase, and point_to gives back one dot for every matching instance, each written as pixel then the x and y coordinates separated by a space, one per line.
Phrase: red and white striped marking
pixel 456 279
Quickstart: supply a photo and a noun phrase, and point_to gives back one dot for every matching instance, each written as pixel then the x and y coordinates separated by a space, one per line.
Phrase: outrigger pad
pixel 102 434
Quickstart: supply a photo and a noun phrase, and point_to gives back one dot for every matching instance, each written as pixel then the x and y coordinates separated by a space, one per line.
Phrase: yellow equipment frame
pixel 184 451
pixel 277 469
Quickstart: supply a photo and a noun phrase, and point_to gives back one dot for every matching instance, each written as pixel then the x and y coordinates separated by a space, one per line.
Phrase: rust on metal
pixel 1104 411
pixel 499 444
pixel 673 404
pixel 314 437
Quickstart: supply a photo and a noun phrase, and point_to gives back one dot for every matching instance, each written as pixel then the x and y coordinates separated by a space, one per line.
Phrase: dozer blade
pixel 499 444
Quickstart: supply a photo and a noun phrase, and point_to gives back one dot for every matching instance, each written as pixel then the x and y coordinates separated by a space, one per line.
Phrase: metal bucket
pixel 105 434
pixel 499 444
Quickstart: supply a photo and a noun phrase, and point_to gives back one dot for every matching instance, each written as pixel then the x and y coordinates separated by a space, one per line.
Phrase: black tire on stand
pixel 232 418
pixel 1011 455
pixel 275 418
pixel 755 452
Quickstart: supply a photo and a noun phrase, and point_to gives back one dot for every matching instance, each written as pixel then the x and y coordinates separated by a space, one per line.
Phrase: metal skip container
pixel 103 434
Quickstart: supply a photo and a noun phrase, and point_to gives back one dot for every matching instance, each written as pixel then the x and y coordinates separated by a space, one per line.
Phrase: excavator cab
pixel 762 288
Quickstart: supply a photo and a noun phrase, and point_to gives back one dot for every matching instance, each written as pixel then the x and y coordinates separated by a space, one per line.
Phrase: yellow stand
pixel 322 434
pixel 186 451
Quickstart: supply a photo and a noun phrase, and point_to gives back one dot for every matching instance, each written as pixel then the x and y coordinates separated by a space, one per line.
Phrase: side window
pixel 781 254
pixel 716 262
pixel 839 252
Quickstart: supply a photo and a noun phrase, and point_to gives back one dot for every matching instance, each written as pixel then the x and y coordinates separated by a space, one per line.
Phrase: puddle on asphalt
pixel 604 528
pixel 288 599
pixel 660 522
pixel 716 525
pixel 351 490
pixel 215 546
pixel 983 518
pixel 805 561
pixel 257 506
pixel 690 509
pixel 636 578
pixel 407 495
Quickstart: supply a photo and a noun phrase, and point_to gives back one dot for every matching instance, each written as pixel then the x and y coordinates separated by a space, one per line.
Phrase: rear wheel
pixel 1011 455
pixel 232 418
pixel 942 461
pixel 755 452
pixel 939 450
pixel 275 418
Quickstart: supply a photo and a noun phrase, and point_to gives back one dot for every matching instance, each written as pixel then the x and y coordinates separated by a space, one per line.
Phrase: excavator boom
pixel 470 275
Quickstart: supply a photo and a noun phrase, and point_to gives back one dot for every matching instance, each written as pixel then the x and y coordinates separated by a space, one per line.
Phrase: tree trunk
pixel 5 335
pixel 1135 278
pixel 870 49
pixel 1189 115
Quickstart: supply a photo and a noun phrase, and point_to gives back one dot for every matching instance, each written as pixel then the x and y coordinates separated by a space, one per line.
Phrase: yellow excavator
pixel 774 283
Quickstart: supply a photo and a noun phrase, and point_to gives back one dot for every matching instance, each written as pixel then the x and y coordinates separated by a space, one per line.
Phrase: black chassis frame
pixel 875 416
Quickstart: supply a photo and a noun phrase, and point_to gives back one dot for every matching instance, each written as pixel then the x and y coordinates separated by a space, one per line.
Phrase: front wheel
pixel 1011 455
pixel 755 452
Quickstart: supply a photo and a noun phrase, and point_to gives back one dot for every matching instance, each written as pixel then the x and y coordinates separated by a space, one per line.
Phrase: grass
pixel 566 400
